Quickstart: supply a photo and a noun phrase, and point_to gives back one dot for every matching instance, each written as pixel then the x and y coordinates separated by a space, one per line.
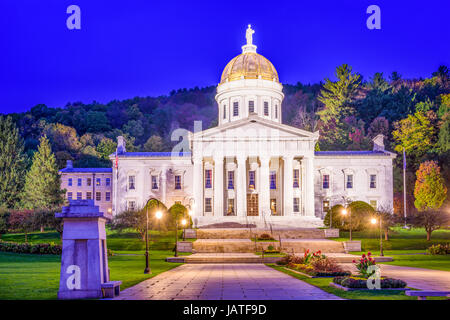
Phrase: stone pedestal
pixel 331 233
pixel 354 245
pixel 84 260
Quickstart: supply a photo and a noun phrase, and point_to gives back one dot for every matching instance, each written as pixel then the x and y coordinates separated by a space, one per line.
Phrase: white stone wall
pixel 361 167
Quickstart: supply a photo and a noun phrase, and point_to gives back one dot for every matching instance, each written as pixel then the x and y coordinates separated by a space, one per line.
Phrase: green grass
pixel 29 276
pixel 399 239
pixel 323 283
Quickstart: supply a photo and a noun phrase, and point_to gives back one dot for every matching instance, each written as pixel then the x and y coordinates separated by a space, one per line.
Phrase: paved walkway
pixel 418 278
pixel 224 282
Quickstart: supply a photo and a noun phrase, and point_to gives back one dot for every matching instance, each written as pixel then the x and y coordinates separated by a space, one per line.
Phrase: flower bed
pixel 38 248
pixel 361 283
pixel 313 264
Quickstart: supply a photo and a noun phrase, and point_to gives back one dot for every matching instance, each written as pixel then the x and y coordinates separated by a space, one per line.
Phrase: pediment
pixel 255 128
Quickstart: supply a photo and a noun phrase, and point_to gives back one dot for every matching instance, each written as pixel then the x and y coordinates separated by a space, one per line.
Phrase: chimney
pixel 378 143
pixel 69 164
pixel 121 145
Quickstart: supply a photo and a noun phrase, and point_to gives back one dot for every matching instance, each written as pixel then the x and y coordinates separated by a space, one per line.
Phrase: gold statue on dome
pixel 249 34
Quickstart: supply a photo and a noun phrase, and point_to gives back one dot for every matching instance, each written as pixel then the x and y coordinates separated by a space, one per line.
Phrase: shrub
pixel 38 248
pixel 265 236
pixel 290 259
pixel 439 249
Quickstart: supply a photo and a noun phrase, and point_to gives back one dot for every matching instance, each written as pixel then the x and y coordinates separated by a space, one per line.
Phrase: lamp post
pixel 373 221
pixel 147 266
pixel 346 211
pixel 184 222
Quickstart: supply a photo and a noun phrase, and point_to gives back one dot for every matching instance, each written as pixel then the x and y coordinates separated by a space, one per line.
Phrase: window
pixel 177 182
pixel 373 203
pixel 89 195
pixel 296 178
pixel 373 181
pixel 208 205
pixel 69 195
pixel 273 206
pixel 98 182
pixel 79 196
pixel 273 180
pixel 79 182
pixel 326 181
pixel 98 196
pixel 108 182
pixel 131 205
pixel 88 182
pixel 251 180
pixel 266 108
pixel 235 109
pixel 131 182
pixel 208 174
pixel 251 106
pixel 231 180
pixel 276 112
pixel 325 206
pixel 69 182
pixel 296 205
pixel 154 182
pixel 108 196
pixel 349 184
pixel 224 111
pixel 230 208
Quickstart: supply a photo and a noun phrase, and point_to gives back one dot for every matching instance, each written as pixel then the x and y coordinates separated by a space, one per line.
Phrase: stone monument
pixel 84 260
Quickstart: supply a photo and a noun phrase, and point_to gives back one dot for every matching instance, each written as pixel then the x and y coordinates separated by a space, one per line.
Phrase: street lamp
pixel 184 222
pixel 158 216
pixel 345 212
pixel 374 221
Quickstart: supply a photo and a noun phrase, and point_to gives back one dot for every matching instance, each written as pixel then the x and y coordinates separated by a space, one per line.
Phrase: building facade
pixel 87 184
pixel 252 168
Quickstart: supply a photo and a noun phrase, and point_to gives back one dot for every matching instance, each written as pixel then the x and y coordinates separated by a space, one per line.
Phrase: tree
pixel 42 183
pixel 154 144
pixel 430 190
pixel 12 163
pixel 431 220
pixel 106 147
pixel 22 220
pixel 387 217
pixel 4 221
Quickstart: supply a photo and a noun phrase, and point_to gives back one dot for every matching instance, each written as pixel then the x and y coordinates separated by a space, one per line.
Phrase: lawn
pixel 323 283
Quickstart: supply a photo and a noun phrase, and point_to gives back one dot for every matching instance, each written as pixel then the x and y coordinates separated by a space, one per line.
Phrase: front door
pixel 252 204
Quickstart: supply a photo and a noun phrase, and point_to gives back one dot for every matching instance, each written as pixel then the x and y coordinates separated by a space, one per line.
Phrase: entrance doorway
pixel 252 204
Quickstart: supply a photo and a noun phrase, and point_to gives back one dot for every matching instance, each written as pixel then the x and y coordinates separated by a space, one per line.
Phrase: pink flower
pixel 363 255
pixel 354 261
pixel 369 253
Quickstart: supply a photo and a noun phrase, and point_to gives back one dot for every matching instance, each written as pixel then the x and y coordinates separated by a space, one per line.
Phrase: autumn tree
pixel 22 220
pixel 12 163
pixel 430 193
pixel 42 182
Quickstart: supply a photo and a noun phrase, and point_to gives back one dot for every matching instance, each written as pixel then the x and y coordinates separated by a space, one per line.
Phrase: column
pixel 241 185
pixel 218 186
pixel 309 192
pixel 198 187
pixel 264 192
pixel 288 185
pixel 303 186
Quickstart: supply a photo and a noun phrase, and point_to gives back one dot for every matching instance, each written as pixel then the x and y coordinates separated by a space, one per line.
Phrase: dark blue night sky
pixel 141 47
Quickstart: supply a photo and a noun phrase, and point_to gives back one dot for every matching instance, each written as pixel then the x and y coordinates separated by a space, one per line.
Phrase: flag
pixel 117 161
pixel 404 159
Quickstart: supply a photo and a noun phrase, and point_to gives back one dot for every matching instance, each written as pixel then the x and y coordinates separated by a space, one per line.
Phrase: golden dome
pixel 249 65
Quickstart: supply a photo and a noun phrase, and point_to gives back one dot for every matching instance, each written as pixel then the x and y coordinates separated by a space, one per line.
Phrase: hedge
pixel 38 248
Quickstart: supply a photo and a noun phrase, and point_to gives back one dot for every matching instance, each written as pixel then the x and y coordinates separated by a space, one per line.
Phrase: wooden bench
pixel 422 295
pixel 111 289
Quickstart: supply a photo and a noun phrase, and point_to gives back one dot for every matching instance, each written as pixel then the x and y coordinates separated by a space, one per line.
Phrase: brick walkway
pixel 417 278
pixel 224 282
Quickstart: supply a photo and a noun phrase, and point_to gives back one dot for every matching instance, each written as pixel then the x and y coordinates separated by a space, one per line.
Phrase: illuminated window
pixel 325 181
pixel 230 208
pixel 296 183
pixel 208 183
pixel 251 180
pixel 98 182
pixel 88 182
pixel 273 206
pixel 273 180
pixel 231 180
pixel 325 206
pixel 177 182
pixel 154 182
